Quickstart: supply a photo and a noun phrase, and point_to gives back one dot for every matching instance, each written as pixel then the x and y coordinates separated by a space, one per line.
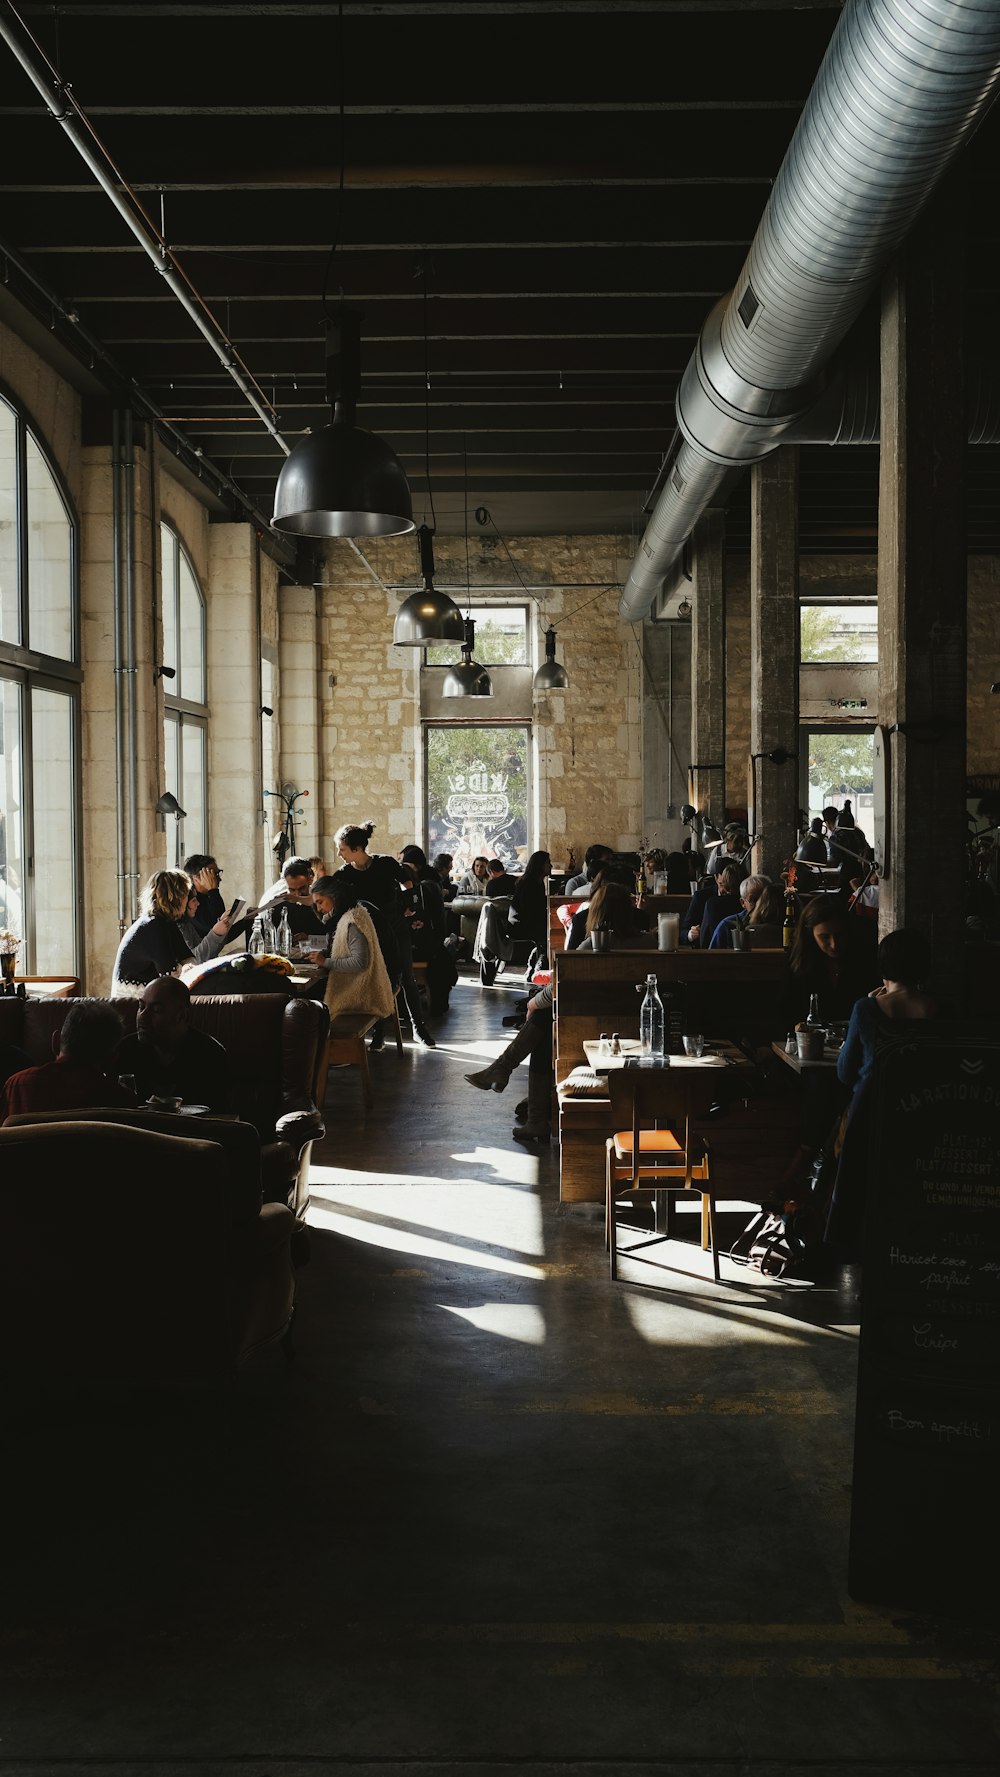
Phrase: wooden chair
pixel 655 1150
pixel 345 1047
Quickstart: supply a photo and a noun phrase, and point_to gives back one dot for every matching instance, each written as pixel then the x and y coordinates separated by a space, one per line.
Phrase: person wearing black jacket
pixel 528 915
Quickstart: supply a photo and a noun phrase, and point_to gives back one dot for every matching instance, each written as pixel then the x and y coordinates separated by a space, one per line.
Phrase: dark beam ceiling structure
pixel 539 203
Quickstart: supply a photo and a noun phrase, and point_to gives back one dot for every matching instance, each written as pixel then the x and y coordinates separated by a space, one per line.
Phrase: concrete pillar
pixel 922 591
pixel 301 737
pixel 774 655
pixel 708 664
pixel 234 701
pixel 101 923
pixel 666 715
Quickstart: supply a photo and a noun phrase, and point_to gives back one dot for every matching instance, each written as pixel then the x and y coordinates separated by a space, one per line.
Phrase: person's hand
pixel 693 934
pixel 221 926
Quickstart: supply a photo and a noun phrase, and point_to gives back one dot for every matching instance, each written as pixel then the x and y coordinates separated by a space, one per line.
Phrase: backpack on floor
pixel 766 1244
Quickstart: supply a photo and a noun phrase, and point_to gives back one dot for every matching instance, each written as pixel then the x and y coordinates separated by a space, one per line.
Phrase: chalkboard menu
pixel 925 1515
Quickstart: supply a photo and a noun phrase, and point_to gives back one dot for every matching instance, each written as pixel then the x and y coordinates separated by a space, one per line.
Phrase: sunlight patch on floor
pixel 719 1318
pixel 471 1210
pixel 521 1321
pixel 399 1240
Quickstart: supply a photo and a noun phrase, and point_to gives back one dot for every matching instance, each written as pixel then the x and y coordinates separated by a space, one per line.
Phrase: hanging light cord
pixel 427 411
pixel 339 212
pixel 465 491
pixel 488 518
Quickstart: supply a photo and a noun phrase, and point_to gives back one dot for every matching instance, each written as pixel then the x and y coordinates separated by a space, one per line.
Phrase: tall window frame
pixel 40 679
pixel 186 711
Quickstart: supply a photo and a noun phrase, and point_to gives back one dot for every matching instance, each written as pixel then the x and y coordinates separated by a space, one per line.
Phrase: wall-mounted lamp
pixel 164 672
pixel 168 804
pixel 266 710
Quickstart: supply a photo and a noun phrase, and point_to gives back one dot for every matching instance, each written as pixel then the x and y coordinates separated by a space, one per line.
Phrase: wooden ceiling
pixel 540 203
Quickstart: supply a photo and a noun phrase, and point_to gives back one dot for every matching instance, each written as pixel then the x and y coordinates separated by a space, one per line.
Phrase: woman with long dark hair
pixel 831 955
pixel 529 910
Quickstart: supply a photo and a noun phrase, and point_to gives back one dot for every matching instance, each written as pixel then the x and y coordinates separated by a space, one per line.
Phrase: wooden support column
pixel 774 654
pixel 708 663
pixel 922 589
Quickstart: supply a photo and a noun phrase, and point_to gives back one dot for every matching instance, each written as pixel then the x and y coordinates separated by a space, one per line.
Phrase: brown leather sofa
pixel 276 1045
pixel 130 1253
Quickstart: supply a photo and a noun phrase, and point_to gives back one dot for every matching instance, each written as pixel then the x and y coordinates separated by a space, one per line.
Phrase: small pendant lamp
pixel 467 678
pixel 343 481
pixel 428 615
pixel 550 675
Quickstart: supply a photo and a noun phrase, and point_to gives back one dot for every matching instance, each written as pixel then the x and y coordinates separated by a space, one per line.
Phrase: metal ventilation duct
pixel 901 89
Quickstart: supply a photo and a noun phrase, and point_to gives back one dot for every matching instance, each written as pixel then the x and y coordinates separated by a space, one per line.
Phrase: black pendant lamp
pixel 467 678
pixel 550 675
pixel 343 481
pixel 427 615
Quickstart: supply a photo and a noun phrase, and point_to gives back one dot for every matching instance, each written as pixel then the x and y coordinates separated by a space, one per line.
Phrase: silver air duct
pixel 901 89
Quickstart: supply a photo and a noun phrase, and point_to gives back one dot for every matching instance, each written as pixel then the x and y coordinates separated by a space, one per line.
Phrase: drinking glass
pixel 695 1047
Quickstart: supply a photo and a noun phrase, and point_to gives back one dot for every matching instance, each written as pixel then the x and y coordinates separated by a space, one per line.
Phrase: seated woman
pixel 904 960
pixel 357 978
pixel 831 955
pixel 154 944
pixel 202 947
pixel 612 906
pixel 725 902
pixel 761 905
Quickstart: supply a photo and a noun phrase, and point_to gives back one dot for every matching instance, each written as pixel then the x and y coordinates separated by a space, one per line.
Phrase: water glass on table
pixel 694 1046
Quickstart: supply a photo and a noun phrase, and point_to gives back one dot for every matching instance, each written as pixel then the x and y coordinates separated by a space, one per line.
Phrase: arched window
pixel 185 716
pixel 39 704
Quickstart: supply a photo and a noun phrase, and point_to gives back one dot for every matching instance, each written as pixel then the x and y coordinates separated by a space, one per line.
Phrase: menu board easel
pixel 925 1516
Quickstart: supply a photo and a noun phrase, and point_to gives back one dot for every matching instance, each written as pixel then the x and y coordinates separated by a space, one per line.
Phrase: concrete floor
pixel 499 1516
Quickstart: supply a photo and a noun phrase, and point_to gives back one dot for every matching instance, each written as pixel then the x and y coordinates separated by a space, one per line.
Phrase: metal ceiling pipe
pixel 70 115
pixel 901 89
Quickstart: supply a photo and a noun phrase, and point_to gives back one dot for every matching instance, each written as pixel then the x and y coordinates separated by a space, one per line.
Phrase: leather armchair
pixel 276 1045
pixel 127 1252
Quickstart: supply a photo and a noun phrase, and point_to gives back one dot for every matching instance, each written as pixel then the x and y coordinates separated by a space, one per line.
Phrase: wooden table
pixel 699 1074
pixel 829 1059
pixel 717 1055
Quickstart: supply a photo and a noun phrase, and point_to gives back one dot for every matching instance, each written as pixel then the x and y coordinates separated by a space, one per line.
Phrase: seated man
pixel 581 886
pixel 498 882
pixel 78 1078
pixel 292 886
pixel 205 877
pixel 167 1057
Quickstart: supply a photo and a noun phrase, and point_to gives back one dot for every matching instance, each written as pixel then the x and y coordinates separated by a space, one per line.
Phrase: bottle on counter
pixel 813 1018
pixel 651 1023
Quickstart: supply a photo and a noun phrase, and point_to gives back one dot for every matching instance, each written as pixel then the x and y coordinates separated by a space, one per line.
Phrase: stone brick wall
pixel 587 743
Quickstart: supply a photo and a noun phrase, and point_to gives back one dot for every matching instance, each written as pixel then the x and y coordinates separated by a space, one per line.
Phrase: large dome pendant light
pixel 343 481
pixel 428 615
pixel 467 678
pixel 550 675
